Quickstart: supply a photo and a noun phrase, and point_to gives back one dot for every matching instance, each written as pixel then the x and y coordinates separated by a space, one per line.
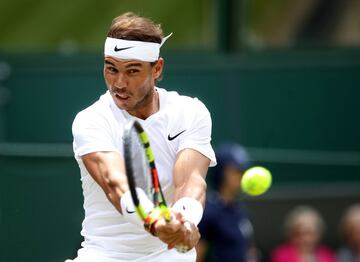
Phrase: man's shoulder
pixel 182 102
pixel 97 112
pixel 99 106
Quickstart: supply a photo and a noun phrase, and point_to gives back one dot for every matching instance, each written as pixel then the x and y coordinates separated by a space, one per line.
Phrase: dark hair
pixel 130 26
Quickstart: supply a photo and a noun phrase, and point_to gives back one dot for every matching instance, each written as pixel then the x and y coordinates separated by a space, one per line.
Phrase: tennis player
pixel 179 129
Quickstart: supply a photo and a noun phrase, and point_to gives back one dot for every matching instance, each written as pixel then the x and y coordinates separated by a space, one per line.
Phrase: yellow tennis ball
pixel 256 181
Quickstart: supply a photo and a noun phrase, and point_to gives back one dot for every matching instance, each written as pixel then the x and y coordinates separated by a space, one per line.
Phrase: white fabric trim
pixel 133 50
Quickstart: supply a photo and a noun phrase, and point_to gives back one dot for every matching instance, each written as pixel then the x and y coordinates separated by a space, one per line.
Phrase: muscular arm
pixel 189 175
pixel 108 170
pixel 189 180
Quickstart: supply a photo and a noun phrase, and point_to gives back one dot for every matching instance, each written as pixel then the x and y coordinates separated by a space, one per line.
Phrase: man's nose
pixel 121 81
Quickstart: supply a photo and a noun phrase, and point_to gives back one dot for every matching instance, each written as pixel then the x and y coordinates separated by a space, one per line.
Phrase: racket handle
pixel 168 218
pixel 165 212
pixel 183 248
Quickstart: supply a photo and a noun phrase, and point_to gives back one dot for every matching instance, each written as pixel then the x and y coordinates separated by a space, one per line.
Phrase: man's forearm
pixel 194 187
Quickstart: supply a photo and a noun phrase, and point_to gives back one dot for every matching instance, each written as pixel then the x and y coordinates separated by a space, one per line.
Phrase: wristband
pixel 128 209
pixel 190 208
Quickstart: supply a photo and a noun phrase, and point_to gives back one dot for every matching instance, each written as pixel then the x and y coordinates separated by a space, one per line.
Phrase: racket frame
pixel 160 207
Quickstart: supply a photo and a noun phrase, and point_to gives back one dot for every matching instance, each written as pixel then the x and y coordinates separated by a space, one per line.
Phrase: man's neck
pixel 149 109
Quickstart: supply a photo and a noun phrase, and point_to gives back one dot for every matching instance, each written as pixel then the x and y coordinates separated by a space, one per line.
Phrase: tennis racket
pixel 141 172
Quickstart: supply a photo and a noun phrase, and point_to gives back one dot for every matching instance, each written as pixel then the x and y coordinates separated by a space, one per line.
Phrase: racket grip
pixel 165 212
pixel 182 248
pixel 168 218
pixel 154 215
pixel 152 219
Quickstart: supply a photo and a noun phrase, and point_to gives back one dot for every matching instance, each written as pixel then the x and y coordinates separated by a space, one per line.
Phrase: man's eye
pixel 133 71
pixel 112 69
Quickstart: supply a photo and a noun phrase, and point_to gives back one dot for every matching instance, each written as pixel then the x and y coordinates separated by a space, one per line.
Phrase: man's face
pixel 131 82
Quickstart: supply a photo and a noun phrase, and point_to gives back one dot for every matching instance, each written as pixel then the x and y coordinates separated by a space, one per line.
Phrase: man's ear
pixel 158 68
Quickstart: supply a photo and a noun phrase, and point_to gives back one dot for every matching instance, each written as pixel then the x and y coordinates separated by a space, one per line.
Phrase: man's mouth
pixel 121 96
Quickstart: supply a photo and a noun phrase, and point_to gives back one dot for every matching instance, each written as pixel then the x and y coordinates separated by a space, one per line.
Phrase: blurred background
pixel 281 77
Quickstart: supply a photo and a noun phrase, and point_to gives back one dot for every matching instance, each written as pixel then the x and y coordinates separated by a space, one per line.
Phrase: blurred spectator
pixel 303 228
pixel 225 227
pixel 350 228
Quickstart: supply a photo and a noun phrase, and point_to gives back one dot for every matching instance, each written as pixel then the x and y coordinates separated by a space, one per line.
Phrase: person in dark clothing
pixel 226 231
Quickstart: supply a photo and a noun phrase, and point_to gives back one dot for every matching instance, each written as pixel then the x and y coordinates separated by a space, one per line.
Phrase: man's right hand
pixel 178 232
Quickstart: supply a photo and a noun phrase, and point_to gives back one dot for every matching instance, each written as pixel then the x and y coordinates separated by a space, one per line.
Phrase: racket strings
pixel 140 164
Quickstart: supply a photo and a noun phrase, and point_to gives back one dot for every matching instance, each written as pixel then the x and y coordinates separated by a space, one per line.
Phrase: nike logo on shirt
pixel 173 137
pixel 121 49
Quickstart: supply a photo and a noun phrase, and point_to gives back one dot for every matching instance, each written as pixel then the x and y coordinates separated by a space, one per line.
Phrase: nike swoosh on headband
pixel 121 49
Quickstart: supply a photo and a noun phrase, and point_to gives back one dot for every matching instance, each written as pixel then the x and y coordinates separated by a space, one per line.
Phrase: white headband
pixel 133 50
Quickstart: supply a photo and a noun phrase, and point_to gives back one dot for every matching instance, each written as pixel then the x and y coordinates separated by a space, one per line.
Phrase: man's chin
pixel 121 104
